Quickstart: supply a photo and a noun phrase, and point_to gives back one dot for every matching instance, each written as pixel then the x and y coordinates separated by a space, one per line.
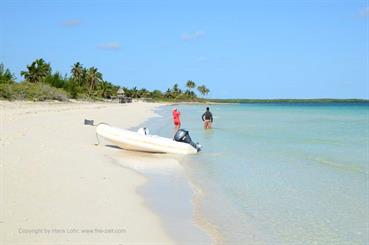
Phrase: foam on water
pixel 280 173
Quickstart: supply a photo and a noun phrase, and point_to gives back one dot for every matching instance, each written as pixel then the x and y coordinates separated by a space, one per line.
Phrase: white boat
pixel 140 141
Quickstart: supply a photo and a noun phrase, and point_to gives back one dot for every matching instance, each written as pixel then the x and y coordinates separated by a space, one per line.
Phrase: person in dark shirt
pixel 207 118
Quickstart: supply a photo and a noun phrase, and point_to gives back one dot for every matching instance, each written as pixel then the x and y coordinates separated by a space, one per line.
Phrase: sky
pixel 238 49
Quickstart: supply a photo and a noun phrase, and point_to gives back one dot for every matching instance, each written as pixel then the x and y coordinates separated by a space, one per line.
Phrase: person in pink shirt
pixel 176 118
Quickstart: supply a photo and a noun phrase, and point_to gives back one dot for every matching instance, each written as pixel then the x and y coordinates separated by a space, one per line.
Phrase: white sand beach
pixel 57 187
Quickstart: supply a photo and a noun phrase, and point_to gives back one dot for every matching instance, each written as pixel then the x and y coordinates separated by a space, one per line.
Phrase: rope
pixel 97 136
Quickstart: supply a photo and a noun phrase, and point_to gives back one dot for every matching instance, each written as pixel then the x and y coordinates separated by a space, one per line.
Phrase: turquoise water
pixel 281 173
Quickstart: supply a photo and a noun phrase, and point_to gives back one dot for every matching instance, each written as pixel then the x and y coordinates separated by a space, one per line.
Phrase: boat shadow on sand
pixel 149 163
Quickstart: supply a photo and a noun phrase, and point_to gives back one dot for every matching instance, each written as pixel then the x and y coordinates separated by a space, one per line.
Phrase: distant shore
pixel 208 101
pixel 245 101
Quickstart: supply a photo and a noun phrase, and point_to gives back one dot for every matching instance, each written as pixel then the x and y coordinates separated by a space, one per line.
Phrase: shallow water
pixel 167 192
pixel 280 173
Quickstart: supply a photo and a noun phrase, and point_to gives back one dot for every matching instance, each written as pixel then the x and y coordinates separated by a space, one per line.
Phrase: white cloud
pixel 192 36
pixel 72 22
pixel 109 46
pixel 364 12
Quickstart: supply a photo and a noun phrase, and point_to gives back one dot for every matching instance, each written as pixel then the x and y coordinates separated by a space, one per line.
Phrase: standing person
pixel 207 118
pixel 176 118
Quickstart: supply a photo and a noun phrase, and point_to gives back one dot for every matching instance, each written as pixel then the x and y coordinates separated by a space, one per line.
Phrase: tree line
pixel 84 83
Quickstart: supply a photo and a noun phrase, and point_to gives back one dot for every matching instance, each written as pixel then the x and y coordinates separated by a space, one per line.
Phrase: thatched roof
pixel 120 91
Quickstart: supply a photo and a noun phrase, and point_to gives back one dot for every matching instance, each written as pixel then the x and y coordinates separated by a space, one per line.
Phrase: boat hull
pixel 130 140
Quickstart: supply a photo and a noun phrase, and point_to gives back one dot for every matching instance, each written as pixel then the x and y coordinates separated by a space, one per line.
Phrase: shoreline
pixel 62 184
pixel 205 214
pixel 162 170
pixel 167 193
pixel 174 168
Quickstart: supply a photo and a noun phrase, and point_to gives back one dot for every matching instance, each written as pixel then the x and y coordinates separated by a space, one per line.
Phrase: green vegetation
pixel 31 91
pixel 6 77
pixel 37 71
pixel 203 90
pixel 41 83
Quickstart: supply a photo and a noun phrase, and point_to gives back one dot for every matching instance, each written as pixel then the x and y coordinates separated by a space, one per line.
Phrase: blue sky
pixel 239 49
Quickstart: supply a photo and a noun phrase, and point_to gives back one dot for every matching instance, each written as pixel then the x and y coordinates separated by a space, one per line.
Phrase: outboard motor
pixel 183 136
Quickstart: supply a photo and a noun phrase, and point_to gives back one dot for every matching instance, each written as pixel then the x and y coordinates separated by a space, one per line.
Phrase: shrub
pixel 31 91
pixel 185 97
pixel 57 80
pixel 6 91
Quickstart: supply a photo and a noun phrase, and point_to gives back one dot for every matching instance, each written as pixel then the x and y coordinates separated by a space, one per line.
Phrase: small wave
pixel 342 166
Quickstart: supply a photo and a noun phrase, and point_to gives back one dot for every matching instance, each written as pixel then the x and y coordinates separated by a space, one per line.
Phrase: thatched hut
pixel 121 96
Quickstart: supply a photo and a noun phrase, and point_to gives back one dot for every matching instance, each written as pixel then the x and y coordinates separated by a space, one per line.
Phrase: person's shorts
pixel 177 123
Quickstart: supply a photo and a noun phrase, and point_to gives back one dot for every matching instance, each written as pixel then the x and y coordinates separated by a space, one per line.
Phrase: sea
pixel 277 173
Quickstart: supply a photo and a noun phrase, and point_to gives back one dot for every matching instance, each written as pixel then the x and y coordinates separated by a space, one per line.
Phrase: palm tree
pixel 57 80
pixel 207 91
pixel 93 77
pixel 104 89
pixel 203 90
pixel 156 94
pixel 78 72
pixel 143 93
pixel 134 92
pixel 190 84
pixel 168 94
pixel 37 71
pixel 176 90
pixel 127 92
pixel 5 75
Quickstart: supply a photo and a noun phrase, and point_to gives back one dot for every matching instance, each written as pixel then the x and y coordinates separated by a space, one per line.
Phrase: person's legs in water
pixel 177 124
pixel 209 124
pixel 206 124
